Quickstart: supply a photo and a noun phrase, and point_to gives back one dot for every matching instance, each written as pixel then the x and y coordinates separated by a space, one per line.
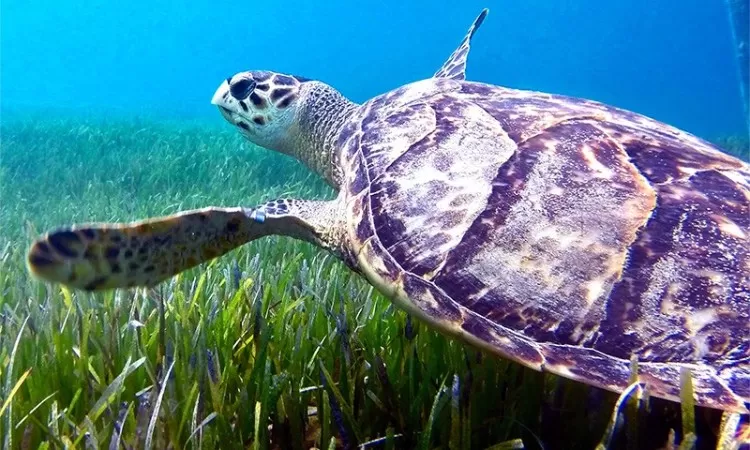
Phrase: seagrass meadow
pixel 275 345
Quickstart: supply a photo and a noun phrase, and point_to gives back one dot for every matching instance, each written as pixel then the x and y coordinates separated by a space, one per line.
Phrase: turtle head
pixel 261 104
pixel 288 114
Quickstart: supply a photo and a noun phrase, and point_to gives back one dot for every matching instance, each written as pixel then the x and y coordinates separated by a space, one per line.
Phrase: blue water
pixel 669 59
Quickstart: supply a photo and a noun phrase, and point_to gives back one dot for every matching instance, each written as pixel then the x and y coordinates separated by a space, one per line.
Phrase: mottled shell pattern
pixel 562 233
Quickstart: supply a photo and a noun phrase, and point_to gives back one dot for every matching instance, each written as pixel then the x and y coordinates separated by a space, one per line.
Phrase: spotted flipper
pixel 105 256
pixel 455 67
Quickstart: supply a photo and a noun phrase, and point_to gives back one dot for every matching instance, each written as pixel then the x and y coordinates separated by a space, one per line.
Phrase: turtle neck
pixel 319 121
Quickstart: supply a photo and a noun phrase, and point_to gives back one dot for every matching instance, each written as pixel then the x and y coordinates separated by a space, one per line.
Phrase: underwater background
pixel 105 115
pixel 670 59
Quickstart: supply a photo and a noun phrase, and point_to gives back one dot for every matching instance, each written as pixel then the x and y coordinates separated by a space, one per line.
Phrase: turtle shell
pixel 562 233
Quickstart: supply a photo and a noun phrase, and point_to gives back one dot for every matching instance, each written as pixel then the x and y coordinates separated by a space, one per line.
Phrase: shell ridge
pixel 419 211
pixel 412 123
pixel 545 228
pixel 672 299
pixel 384 169
pixel 584 118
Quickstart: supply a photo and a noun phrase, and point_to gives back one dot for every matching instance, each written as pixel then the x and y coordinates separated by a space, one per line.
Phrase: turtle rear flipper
pixel 455 67
pixel 104 256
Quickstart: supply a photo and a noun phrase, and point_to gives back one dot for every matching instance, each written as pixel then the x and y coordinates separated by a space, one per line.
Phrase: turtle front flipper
pixel 145 253
pixel 455 67
pixel 104 256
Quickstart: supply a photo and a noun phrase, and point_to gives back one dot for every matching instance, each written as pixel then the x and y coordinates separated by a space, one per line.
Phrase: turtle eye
pixel 241 88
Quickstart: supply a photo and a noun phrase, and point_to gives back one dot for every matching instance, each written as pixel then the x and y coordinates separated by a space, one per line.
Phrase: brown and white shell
pixel 561 233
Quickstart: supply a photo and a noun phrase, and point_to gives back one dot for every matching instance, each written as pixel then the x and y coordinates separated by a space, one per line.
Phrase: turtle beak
pixel 220 99
pixel 221 94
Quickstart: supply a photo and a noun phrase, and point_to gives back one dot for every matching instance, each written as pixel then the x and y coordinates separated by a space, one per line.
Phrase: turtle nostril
pixel 242 88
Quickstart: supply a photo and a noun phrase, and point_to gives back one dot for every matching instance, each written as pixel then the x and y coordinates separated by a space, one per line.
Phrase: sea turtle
pixel 561 233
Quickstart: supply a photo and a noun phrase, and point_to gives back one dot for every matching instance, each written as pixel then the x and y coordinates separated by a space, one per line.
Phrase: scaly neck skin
pixel 322 113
